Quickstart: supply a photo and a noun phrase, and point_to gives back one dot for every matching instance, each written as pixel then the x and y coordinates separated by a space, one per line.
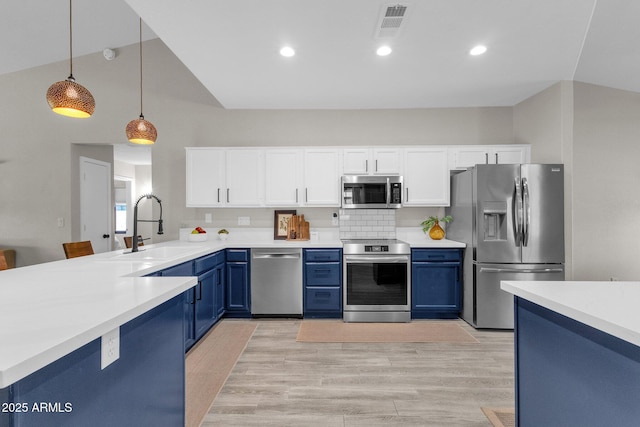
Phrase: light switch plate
pixel 244 220
pixel 110 348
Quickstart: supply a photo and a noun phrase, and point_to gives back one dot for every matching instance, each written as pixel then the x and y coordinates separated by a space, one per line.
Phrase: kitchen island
pixel 577 350
pixel 55 315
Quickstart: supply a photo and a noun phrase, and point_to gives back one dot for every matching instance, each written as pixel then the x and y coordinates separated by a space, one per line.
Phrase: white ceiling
pixel 232 47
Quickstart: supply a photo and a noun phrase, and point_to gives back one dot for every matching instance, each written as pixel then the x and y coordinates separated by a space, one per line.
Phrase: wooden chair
pixel 7 259
pixel 128 241
pixel 77 249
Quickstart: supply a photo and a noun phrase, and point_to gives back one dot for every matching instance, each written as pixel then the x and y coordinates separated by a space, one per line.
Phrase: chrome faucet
pixel 134 244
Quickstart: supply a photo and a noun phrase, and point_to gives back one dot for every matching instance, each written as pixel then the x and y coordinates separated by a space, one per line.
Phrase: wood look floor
pixel 280 382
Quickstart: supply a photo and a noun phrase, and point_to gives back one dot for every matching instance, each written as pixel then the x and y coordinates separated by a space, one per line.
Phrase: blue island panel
pixel 570 374
pixel 144 387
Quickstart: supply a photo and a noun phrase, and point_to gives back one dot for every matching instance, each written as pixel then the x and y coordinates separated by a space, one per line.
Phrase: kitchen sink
pixel 151 254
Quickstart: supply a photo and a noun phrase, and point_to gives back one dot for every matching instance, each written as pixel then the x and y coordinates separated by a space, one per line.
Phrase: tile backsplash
pixel 367 224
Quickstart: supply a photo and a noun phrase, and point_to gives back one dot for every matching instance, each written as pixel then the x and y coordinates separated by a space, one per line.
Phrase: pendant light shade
pixel 141 131
pixel 68 97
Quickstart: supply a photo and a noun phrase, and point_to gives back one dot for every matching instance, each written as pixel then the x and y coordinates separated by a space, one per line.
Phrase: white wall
pixel 606 202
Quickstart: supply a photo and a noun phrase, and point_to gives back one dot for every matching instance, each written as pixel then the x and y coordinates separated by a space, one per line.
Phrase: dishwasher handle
pixel 276 255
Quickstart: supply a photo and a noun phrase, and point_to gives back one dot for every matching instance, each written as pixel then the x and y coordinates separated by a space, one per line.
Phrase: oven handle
pixel 378 259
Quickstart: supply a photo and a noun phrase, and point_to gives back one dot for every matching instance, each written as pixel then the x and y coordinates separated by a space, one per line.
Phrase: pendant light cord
pixel 70 44
pixel 141 116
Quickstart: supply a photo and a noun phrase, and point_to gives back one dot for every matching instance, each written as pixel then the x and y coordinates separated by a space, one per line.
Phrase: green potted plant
pixel 431 225
pixel 223 234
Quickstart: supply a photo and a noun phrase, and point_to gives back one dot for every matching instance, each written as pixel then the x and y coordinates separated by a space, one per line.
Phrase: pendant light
pixel 141 131
pixel 68 97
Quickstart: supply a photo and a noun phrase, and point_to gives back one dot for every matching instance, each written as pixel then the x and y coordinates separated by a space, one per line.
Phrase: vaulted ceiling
pixel 232 47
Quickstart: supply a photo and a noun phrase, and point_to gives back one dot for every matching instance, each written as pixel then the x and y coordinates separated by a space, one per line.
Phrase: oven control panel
pixel 376 248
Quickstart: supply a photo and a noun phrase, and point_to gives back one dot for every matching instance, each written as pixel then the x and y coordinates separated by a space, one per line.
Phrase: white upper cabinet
pixel 464 157
pixel 371 161
pixel 244 174
pixel 426 176
pixel 322 172
pixel 219 177
pixel 310 176
pixel 283 178
pixel 205 177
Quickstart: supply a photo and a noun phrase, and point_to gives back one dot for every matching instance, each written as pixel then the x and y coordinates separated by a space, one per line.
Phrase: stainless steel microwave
pixel 371 191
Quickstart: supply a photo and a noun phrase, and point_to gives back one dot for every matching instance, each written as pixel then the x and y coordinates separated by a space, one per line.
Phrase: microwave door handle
pixel 388 192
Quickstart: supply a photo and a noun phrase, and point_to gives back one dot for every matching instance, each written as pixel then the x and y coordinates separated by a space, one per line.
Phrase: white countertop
pixel 608 306
pixel 50 310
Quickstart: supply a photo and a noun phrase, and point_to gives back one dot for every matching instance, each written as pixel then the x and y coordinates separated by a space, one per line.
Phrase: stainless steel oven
pixel 376 281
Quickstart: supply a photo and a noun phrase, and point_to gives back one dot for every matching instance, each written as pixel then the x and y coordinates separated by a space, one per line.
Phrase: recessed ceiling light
pixel 287 51
pixel 383 51
pixel 478 50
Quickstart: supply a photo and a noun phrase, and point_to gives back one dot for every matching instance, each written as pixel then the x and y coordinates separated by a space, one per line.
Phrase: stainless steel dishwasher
pixel 276 282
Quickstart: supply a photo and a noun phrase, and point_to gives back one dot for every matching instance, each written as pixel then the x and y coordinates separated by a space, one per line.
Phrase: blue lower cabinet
pixel 208 269
pixel 221 290
pixel 238 301
pixel 205 309
pixel 145 386
pixel 185 269
pixel 436 287
pixel 322 278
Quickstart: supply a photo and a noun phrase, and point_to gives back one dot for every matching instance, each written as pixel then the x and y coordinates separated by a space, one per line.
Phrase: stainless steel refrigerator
pixel 512 219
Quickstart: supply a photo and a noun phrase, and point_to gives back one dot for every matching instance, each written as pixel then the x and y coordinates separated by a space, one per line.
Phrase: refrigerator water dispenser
pixel 495 220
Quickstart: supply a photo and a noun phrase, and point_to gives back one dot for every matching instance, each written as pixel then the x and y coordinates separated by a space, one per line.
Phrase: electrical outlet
pixel 244 220
pixel 60 222
pixel 207 218
pixel 334 219
pixel 110 348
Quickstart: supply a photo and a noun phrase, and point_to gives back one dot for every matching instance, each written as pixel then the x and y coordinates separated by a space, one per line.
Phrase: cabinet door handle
pixel 200 286
pixel 218 195
pixel 496 158
pixel 407 191
pixel 366 165
pixel 306 195
pixel 296 195
pixel 227 195
pixel 486 158
pixel 376 165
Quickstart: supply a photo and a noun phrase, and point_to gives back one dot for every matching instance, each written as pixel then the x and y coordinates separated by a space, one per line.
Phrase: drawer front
pixel 322 299
pixel 436 255
pixel 237 255
pixel 322 255
pixel 207 262
pixel 322 274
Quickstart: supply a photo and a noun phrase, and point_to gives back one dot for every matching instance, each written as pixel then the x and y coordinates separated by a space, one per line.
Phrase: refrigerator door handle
pixel 518 212
pixel 526 212
pixel 516 270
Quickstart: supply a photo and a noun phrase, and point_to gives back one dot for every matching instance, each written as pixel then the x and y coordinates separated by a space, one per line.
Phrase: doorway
pixel 95 204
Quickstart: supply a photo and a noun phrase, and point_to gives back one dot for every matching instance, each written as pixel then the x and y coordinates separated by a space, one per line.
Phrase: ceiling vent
pixel 390 22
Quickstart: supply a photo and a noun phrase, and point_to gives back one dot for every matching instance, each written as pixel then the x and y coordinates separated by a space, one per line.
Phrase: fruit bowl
pixel 200 237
